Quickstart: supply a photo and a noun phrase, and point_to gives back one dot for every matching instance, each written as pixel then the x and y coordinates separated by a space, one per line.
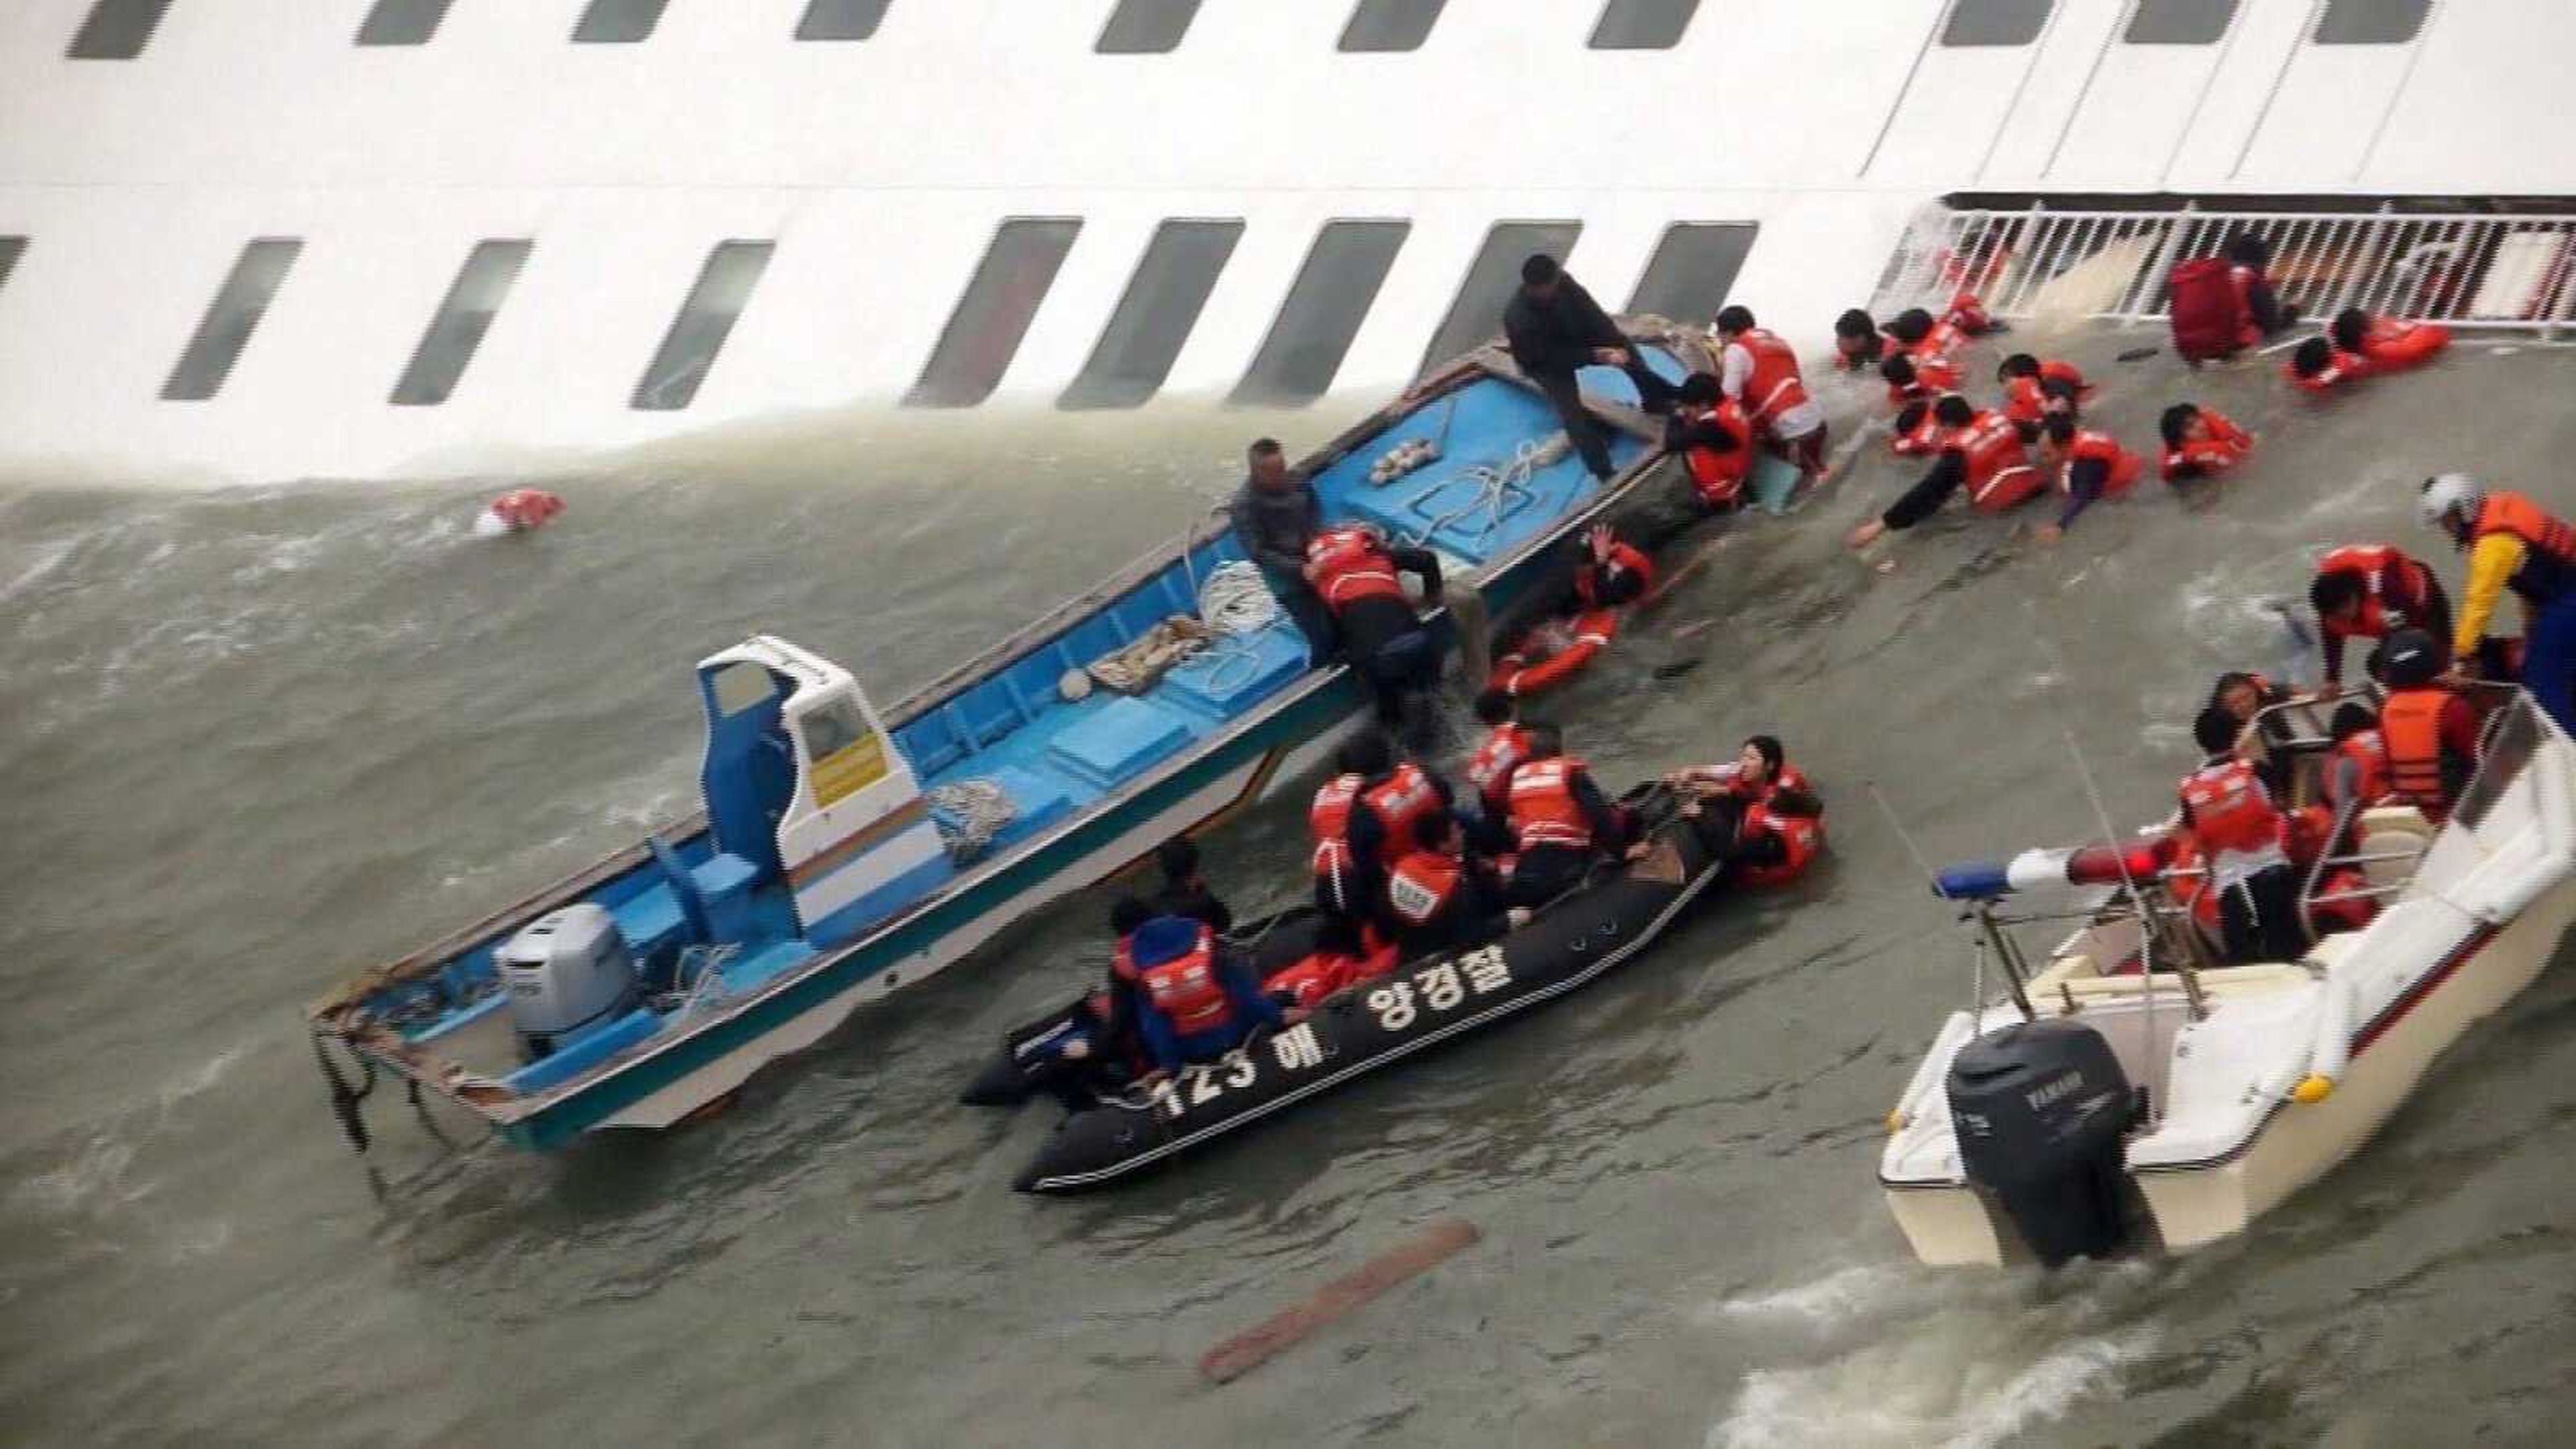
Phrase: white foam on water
pixel 1938 1386
pixel 488 524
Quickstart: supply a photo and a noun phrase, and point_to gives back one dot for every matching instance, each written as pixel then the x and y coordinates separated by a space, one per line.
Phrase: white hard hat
pixel 2449 495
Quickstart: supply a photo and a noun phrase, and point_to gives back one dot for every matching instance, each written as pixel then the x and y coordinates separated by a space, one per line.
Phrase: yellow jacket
pixel 2492 561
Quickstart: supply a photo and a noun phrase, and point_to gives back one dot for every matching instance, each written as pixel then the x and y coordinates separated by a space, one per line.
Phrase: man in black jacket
pixel 1275 515
pixel 1554 327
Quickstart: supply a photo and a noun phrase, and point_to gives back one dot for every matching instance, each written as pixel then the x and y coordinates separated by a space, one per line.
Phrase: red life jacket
pixel 1330 820
pixel 1519 676
pixel 1587 579
pixel 1719 477
pixel 2191 891
pixel 2229 809
pixel 1490 768
pixel 1934 374
pixel 2220 448
pixel 1399 800
pixel 2368 752
pixel 1921 440
pixel 526 508
pixel 1543 808
pixel 1774 386
pixel 2392 345
pixel 1744 787
pixel 1345 564
pixel 1800 838
pixel 1311 978
pixel 1421 884
pixel 2549 545
pixel 1186 989
pixel 2089 446
pixel 2341 367
pixel 1967 315
pixel 2389 578
pixel 2346 915
pixel 2207 304
pixel 1999 472
pixel 2421 769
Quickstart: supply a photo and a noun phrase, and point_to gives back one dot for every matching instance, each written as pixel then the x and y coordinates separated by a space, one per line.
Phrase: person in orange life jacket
pixel 1392 796
pixel 1858 343
pixel 2033 390
pixel 1919 432
pixel 1760 770
pixel 1982 454
pixel 1553 328
pixel 1195 1000
pixel 1489 768
pixel 2367 591
pixel 2229 811
pixel 1439 898
pixel 2357 742
pixel 1609 574
pixel 1185 892
pixel 2317 365
pixel 2430 730
pixel 2200 443
pixel 1918 379
pixel 2248 255
pixel 1708 429
pixel 2387 344
pixel 1342 954
pixel 2089 466
pixel 1775 825
pixel 1917 333
pixel 1760 373
pixel 1559 819
pixel 1275 516
pixel 1104 1047
pixel 1345 883
pixel 1382 637
pixel 2513 544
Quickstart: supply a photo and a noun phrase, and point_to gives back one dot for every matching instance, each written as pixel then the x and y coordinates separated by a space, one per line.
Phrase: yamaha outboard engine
pixel 2041 1110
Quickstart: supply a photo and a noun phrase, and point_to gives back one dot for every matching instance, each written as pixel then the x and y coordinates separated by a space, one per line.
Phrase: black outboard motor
pixel 2041 1109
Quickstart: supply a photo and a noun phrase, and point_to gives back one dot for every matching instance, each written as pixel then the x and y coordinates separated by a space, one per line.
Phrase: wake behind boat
pixel 841 853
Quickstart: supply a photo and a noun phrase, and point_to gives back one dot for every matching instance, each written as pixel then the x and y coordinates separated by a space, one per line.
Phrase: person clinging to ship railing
pixel 2089 466
pixel 1196 998
pixel 2368 591
pixel 1554 328
pixel 1758 371
pixel 1440 896
pixel 1275 516
pixel 2240 833
pixel 2200 443
pixel 1354 571
pixel 1185 889
pixel 1560 821
pixel 2512 544
pixel 2429 729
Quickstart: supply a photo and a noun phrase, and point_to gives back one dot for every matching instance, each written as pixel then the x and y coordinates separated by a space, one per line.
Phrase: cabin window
pixel 1146 27
pixel 994 312
pixel 2179 22
pixel 402 22
pixel 1693 268
pixel 842 19
pixel 2372 22
pixel 1642 24
pixel 1391 24
pixel 225 329
pixel 1330 298
pixel 689 349
pixel 117 29
pixel 833 726
pixel 11 248
pixel 1155 315
pixel 481 285
pixel 617 22
pixel 1995 22
pixel 1477 311
pixel 740 686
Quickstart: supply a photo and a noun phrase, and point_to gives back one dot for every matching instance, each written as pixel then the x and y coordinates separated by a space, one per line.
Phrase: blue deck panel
pixel 1118 742
pixel 1235 674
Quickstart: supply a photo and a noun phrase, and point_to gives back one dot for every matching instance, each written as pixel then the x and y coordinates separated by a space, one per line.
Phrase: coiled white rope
pixel 1495 485
pixel 1236 599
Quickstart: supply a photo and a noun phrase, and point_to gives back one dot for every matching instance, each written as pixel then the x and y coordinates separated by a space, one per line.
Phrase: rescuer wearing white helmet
pixel 2513 543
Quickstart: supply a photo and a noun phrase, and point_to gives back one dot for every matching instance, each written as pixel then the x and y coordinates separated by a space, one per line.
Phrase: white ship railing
pixel 2497 272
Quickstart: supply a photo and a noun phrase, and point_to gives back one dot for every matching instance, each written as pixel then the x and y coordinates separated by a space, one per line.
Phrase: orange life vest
pixel 1717 476
pixel 1934 374
pixel 1519 676
pixel 1398 801
pixel 1330 820
pixel 1774 386
pixel 1800 838
pixel 526 508
pixel 1420 885
pixel 2391 344
pixel 2229 809
pixel 2028 402
pixel 2090 446
pixel 1999 472
pixel 2549 545
pixel 2341 367
pixel 1345 564
pixel 1920 440
pixel 2368 751
pixel 1543 808
pixel 2421 770
pixel 1490 768
pixel 2222 447
pixel 1186 989
pixel 1312 977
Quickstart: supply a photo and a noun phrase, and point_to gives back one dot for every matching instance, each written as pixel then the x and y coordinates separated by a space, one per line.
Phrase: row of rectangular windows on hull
pixel 1689 275
pixel 119 29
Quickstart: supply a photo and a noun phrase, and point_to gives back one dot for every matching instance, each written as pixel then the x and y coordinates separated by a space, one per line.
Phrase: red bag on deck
pixel 2202 303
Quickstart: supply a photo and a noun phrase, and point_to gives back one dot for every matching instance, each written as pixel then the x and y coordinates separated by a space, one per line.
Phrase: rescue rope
pixel 980 809
pixel 1234 602
pixel 709 989
pixel 1495 484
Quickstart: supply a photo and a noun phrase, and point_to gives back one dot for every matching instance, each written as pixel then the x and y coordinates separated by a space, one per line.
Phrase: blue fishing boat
pixel 841 853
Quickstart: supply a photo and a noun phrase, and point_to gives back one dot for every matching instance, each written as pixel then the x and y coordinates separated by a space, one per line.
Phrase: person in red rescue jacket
pixel 1393 796
pixel 1918 379
pixel 2430 729
pixel 2368 591
pixel 1560 820
pixel 1354 572
pixel 2318 366
pixel 2240 832
pixel 2387 344
pixel 1490 766
pixel 2359 756
pixel 1440 898
pixel 1196 1000
pixel 1858 344
pixel 1715 440
pixel 2087 465
pixel 2034 390
pixel 2200 442
pixel 1760 372
pixel 1982 455
pixel 1918 432
pixel 1777 825
pixel 1608 576
pixel 1352 819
